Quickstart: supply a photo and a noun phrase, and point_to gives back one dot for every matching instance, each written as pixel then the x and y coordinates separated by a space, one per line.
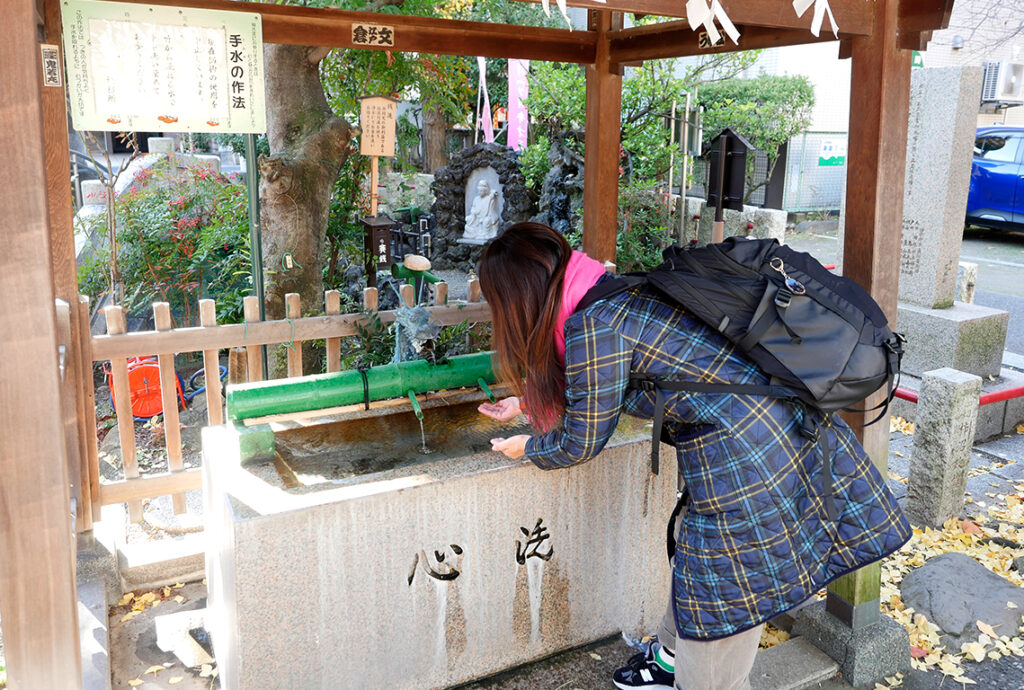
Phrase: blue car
pixel 996 197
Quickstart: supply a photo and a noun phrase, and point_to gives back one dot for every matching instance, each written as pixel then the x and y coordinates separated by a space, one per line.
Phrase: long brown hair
pixel 521 276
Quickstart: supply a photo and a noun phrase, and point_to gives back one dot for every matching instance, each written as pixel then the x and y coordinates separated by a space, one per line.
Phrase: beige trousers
pixel 717 665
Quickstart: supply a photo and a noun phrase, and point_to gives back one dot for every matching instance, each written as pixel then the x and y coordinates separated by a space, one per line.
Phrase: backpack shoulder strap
pixel 609 286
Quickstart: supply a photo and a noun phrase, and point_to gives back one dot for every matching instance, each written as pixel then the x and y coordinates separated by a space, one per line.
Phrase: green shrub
pixel 643 230
pixel 182 235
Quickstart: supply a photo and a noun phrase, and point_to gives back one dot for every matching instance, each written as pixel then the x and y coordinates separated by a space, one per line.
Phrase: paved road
pixel 1000 259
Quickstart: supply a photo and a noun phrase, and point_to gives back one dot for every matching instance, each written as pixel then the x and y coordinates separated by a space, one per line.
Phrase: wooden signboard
pixel 377 117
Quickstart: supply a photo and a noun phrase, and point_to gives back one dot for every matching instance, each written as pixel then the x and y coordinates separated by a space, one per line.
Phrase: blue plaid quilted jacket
pixel 755 540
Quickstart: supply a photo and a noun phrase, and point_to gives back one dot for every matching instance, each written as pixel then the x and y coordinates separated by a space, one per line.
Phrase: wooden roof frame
pixel 37 588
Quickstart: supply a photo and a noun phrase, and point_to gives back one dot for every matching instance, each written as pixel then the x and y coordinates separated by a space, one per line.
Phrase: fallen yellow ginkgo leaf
pixel 987 629
pixel 154 670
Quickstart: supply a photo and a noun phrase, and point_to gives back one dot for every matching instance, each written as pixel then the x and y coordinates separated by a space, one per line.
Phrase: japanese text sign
pixel 373 35
pixel 377 116
pixel 153 68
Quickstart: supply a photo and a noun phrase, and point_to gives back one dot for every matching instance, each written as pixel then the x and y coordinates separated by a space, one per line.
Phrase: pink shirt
pixel 581 274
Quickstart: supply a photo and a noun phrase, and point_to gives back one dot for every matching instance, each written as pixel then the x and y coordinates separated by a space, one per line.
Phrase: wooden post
pixel 254 360
pixel 123 407
pixel 370 299
pixel 169 398
pixel 473 289
pixel 880 78
pixel 332 303
pixel 601 166
pixel 78 472
pixel 441 293
pixel 373 186
pixel 408 295
pixel 237 373
pixel 211 367
pixel 293 310
pixel 77 370
pixel 38 606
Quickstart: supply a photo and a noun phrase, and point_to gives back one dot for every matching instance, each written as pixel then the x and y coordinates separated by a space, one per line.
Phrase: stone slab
pixel 942 122
pixel 172 635
pixel 148 565
pixel 752 221
pixel 937 590
pixel 185 160
pixel 307 587
pixel 92 634
pixel 865 655
pixel 966 337
pixel 794 664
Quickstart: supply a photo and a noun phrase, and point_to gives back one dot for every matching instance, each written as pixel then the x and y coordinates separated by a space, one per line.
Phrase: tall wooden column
pixel 603 126
pixel 84 488
pixel 880 82
pixel 37 571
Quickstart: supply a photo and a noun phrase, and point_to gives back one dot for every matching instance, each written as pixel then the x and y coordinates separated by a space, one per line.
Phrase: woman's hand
pixel 503 410
pixel 514 447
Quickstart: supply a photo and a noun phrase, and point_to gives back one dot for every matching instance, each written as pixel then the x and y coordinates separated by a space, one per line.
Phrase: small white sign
pixel 51 64
pixel 153 68
pixel 377 117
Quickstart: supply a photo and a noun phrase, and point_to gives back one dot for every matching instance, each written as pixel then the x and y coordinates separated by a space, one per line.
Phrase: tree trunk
pixel 435 132
pixel 308 145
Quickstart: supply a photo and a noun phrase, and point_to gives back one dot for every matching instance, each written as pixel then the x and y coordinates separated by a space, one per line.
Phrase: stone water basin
pixel 335 543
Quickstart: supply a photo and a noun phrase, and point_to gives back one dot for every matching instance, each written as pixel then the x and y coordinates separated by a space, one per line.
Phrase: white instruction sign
pixel 153 68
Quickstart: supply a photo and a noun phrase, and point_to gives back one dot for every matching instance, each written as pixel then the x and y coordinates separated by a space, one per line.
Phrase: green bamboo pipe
pixel 321 391
pixel 400 272
pixel 486 390
pixel 416 409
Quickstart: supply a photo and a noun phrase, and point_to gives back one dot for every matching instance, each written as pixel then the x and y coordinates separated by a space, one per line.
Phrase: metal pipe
pixel 353 386
pixel 252 184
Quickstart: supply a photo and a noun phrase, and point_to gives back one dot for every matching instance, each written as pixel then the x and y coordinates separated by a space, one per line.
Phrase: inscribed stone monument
pixel 940 140
pixel 941 332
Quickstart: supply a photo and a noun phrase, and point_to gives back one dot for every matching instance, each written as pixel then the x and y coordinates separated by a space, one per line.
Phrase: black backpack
pixel 822 339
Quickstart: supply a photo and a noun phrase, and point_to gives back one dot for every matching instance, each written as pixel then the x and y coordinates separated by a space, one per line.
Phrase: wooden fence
pixel 117 347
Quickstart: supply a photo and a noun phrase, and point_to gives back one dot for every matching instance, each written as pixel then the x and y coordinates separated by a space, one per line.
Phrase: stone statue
pixel 482 221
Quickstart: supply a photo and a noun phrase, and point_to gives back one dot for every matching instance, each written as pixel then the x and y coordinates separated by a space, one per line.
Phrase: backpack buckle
pixel 646 385
pixel 783 298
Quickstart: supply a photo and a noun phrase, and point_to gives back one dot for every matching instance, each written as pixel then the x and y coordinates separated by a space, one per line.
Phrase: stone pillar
pixel 940 140
pixel 966 281
pixel 947 412
pixel 940 331
pixel 164 145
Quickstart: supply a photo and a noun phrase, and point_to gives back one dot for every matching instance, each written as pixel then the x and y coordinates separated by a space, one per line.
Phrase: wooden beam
pixel 601 146
pixel 332 28
pixel 197 339
pixel 677 39
pixel 38 607
pixel 876 162
pixel 917 16
pixel 129 490
pixel 853 16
